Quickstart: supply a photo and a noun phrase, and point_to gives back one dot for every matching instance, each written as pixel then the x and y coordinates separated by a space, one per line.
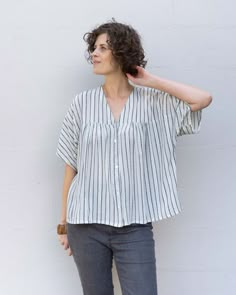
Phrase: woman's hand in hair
pixel 143 78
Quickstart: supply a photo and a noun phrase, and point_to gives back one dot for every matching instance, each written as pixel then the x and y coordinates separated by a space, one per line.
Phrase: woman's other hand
pixel 64 242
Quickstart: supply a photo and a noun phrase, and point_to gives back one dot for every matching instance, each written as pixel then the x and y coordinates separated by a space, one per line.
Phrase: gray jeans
pixel 133 247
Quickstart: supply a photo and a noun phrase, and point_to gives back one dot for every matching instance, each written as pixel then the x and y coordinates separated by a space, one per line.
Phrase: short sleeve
pixel 67 148
pixel 184 119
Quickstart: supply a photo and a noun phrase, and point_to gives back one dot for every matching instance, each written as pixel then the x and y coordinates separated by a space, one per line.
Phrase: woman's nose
pixel 95 52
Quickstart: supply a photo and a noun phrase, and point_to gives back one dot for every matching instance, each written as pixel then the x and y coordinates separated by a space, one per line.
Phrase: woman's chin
pixel 96 72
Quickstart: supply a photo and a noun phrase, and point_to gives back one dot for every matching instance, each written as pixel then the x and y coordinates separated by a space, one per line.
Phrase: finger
pixel 66 246
pixel 69 252
pixel 139 69
pixel 130 77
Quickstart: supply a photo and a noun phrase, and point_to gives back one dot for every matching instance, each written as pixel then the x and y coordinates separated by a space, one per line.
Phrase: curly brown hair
pixel 124 42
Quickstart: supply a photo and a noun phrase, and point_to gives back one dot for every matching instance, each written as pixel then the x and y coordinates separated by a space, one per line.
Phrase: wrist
pixel 153 82
pixel 63 221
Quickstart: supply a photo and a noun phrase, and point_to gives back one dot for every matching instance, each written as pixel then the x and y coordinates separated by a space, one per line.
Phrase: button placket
pixel 117 170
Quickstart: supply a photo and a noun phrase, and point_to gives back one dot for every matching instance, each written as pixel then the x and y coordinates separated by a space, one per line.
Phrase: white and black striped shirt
pixel 126 169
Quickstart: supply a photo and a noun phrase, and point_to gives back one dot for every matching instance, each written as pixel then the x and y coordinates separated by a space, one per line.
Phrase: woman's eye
pixel 102 48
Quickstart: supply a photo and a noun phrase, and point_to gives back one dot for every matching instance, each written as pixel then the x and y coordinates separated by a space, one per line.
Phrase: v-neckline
pixel 116 121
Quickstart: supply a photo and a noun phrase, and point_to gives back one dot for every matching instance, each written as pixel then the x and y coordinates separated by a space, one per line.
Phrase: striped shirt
pixel 126 168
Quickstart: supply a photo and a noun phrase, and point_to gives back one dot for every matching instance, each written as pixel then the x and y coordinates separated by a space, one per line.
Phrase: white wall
pixel 42 67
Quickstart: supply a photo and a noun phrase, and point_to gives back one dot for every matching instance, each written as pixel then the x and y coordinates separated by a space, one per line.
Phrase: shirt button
pixel 116 166
pixel 114 140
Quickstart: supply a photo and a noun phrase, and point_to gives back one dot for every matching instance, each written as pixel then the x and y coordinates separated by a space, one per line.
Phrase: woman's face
pixel 104 62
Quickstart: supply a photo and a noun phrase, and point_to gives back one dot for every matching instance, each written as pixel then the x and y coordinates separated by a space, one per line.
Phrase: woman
pixel 118 142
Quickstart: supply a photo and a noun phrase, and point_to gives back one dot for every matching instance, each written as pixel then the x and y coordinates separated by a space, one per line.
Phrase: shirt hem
pixel 153 220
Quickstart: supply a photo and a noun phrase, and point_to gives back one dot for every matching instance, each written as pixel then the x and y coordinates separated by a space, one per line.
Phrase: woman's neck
pixel 117 87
